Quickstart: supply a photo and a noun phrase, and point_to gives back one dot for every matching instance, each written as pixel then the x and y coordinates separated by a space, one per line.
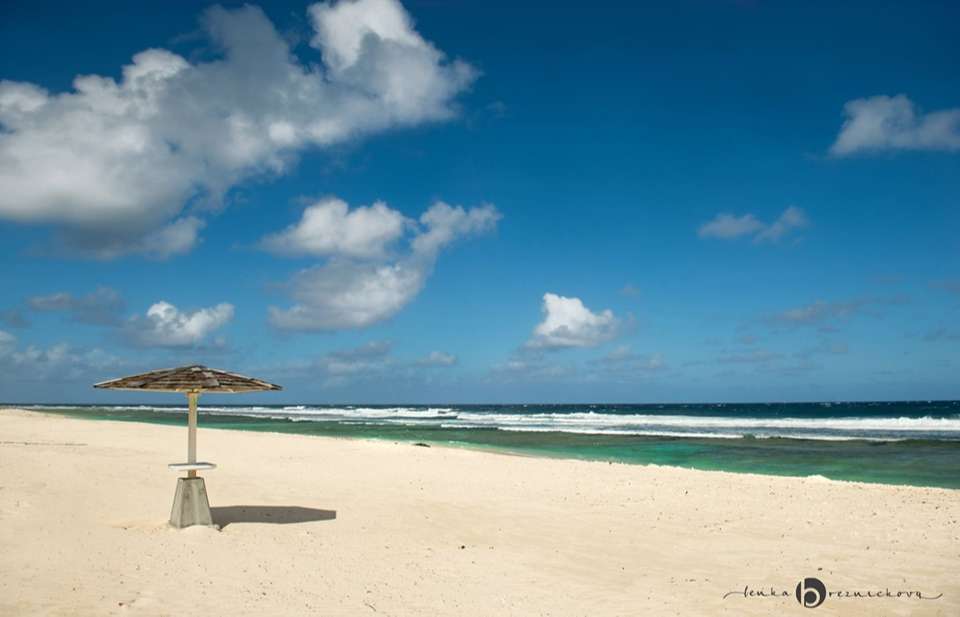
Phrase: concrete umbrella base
pixel 190 504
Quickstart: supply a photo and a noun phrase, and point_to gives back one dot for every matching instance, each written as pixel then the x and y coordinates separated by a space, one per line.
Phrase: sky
pixel 479 202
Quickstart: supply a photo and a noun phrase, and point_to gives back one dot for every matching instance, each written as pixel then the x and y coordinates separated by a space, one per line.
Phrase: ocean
pixel 914 443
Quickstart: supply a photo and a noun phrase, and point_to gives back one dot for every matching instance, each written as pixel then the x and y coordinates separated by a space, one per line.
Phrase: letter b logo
pixel 811 592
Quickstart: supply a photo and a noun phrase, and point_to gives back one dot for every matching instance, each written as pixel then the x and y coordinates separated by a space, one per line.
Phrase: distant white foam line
pixel 547 429
pixel 686 434
pixel 716 422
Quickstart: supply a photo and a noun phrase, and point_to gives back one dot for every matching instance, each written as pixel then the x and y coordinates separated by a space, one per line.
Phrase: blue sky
pixel 478 202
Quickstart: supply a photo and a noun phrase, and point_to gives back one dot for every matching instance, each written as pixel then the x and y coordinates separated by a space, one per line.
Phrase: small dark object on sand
pixel 422 445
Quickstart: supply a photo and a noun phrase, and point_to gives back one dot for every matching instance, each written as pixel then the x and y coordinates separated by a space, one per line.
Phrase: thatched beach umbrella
pixel 190 505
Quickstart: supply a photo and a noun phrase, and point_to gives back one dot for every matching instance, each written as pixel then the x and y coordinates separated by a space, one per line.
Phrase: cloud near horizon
pixel 568 323
pixel 883 123
pixel 348 292
pixel 125 167
pixel 727 226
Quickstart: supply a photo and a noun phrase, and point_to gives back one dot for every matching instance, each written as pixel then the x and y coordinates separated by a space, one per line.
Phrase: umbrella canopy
pixel 188 379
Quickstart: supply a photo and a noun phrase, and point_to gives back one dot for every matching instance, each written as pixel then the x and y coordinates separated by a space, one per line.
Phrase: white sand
pixel 405 530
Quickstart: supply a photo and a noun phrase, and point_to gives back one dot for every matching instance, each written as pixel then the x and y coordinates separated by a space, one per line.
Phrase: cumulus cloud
pixel 102 306
pixel 726 226
pixel 894 123
pixel 568 323
pixel 329 227
pixel 344 294
pixel 347 292
pixel 164 325
pixel 443 223
pixel 113 164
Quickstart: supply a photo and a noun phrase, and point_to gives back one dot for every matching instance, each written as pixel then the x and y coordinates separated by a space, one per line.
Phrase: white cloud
pixel 348 293
pixel 894 123
pixel 372 46
pixel 329 227
pixel 111 162
pixel 726 226
pixel 568 323
pixel 164 325
pixel 344 294
pixel 444 223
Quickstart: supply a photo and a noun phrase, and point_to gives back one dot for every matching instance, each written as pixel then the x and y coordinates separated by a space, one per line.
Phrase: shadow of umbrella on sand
pixel 190 504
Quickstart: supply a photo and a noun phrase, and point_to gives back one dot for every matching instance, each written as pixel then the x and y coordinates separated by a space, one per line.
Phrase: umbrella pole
pixel 190 503
pixel 192 432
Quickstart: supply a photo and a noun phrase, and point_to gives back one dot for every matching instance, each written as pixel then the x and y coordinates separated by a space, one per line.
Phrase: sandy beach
pixel 322 526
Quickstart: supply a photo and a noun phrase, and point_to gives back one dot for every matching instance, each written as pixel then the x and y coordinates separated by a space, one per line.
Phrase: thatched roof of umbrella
pixel 186 379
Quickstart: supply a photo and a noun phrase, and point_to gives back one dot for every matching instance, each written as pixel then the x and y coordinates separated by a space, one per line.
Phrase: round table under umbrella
pixel 190 504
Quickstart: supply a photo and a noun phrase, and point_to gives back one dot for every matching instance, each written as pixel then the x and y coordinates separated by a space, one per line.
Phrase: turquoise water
pixel 915 443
